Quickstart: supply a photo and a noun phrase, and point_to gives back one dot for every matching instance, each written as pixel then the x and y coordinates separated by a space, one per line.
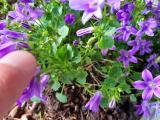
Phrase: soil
pixel 73 110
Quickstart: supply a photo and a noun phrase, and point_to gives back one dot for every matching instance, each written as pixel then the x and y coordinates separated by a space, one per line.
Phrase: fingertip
pixel 22 60
pixel 16 71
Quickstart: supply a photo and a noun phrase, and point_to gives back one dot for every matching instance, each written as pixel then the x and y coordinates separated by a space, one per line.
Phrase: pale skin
pixel 16 70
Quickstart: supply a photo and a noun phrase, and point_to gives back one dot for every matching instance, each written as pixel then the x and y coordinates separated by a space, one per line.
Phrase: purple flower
pixel 63 1
pixel 9 39
pixel 143 109
pixel 125 32
pixel 147 26
pixel 115 4
pixel 26 25
pixel 90 8
pixel 84 31
pixel 148 1
pixel 127 57
pixel 76 42
pixel 23 45
pixel 157 13
pixel 70 18
pixel 35 89
pixel 24 13
pixel 26 1
pixel 3 25
pixel 128 7
pixel 94 102
pixel 150 85
pixel 152 62
pixel 13 35
pixel 123 16
pixel 105 51
pixel 142 46
pixel 7 48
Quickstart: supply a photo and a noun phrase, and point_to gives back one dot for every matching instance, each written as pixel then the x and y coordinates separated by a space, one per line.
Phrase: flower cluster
pixel 151 86
pixel 123 33
pixel 11 40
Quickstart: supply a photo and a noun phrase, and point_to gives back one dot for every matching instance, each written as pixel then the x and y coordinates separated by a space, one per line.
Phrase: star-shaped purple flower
pixel 144 109
pixel 150 85
pixel 115 4
pixel 128 7
pixel 90 8
pixel 152 62
pixel 24 13
pixel 125 32
pixel 127 57
pixel 142 46
pixel 123 16
pixel 147 27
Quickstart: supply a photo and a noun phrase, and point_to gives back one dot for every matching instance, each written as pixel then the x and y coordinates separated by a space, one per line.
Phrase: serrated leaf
pixel 106 42
pixel 63 31
pixel 109 82
pixel 133 98
pixel 110 32
pixel 81 77
pixel 104 102
pixel 56 86
pixel 115 70
pixel 137 76
pixel 61 97
pixel 68 76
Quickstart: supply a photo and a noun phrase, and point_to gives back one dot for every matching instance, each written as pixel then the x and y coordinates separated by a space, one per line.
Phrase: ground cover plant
pixel 107 48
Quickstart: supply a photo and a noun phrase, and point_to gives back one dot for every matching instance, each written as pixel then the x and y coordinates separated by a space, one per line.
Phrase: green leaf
pixel 56 86
pixel 35 99
pixel 61 97
pixel 106 42
pixel 77 56
pixel 54 48
pixel 137 76
pixel 69 52
pixel 68 76
pixel 110 32
pixel 110 82
pixel 63 31
pixel 104 102
pixel 125 87
pixel 115 70
pixel 133 98
pixel 81 77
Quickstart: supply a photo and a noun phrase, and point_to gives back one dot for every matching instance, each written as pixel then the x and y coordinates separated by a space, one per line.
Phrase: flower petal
pixel 149 32
pixel 147 94
pixel 157 92
pixel 133 59
pixel 157 80
pixel 139 85
pixel 86 16
pixel 147 75
pixel 98 13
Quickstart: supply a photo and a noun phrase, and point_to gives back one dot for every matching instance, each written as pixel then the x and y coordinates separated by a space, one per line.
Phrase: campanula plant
pixel 102 46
